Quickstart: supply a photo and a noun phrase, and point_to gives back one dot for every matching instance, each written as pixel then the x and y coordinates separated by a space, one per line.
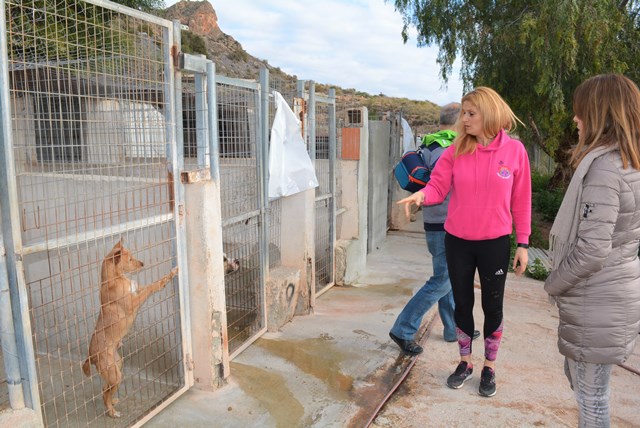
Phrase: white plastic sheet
pixel 408 141
pixel 290 167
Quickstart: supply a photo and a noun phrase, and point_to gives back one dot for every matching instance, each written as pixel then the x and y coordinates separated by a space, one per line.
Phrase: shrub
pixel 193 43
pixel 539 181
pixel 537 239
pixel 545 201
pixel 536 270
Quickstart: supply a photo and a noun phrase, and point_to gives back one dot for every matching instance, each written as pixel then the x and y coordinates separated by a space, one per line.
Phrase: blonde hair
pixel 609 107
pixel 496 115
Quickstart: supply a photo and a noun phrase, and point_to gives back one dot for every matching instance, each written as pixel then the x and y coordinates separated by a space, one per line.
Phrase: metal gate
pixel 322 135
pixel 90 163
pixel 242 186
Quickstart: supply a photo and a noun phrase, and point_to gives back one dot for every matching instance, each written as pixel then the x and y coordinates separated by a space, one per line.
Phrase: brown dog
pixel 120 299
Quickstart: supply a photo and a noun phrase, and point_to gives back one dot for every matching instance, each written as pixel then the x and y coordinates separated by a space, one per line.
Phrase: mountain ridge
pixel 205 37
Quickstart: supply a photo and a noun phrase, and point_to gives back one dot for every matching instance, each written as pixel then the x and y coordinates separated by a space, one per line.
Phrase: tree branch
pixel 537 136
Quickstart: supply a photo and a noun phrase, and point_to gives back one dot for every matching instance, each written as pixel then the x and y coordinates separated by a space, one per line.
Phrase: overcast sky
pixel 347 43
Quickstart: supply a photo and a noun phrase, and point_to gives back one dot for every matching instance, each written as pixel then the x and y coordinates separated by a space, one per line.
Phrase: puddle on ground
pixel 403 286
pixel 270 389
pixel 317 357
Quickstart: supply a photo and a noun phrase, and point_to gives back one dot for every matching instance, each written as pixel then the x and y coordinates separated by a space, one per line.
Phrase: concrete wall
pixel 379 134
pixel 282 293
pixel 111 130
pixel 351 248
pixel 206 284
pixel 298 246
pixel 397 217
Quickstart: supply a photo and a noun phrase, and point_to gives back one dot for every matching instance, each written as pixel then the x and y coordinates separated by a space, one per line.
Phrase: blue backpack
pixel 412 171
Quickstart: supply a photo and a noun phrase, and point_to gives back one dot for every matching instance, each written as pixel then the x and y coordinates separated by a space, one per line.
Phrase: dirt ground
pixel 532 390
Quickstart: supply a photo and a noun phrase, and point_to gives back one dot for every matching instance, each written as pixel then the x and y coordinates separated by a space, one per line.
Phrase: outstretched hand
pixel 417 199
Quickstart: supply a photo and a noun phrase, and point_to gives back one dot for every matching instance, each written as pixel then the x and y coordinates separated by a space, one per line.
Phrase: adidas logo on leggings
pixel 499 272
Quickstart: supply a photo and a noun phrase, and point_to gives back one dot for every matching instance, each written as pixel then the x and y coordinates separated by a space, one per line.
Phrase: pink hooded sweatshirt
pixel 490 190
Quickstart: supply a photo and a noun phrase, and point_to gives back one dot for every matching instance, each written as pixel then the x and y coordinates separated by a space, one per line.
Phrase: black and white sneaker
pixel 487 382
pixel 460 376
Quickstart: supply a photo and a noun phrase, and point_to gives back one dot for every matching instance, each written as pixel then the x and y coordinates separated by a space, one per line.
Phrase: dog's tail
pixel 86 367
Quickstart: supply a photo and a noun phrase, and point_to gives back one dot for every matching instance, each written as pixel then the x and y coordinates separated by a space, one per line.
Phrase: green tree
pixel 52 30
pixel 146 5
pixel 534 53
pixel 193 43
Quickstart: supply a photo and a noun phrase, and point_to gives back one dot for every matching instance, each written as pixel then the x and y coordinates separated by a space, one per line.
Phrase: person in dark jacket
pixel 595 279
pixel 438 287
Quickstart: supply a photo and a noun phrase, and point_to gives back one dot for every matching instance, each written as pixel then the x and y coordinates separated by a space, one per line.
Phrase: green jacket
pixel 444 138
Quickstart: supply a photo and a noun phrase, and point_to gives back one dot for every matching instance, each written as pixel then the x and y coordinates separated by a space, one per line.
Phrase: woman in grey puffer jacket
pixel 594 243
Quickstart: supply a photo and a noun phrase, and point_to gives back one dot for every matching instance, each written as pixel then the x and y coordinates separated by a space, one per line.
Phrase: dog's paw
pixel 114 413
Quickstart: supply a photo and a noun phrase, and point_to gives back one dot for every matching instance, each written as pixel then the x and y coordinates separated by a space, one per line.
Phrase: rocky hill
pixel 205 37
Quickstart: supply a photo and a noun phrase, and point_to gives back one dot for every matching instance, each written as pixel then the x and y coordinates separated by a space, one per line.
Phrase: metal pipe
pixel 263 170
pixel 11 237
pixel 212 116
pixel 333 159
pixel 8 338
pixel 311 121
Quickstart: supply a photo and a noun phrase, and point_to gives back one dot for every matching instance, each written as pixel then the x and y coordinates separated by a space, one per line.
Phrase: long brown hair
pixel 609 107
pixel 496 114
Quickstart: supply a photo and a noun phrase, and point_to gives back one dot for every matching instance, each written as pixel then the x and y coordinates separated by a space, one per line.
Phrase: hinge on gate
pixel 190 363
pixel 175 53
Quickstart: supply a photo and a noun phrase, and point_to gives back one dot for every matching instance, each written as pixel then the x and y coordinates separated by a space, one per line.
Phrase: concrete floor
pixel 332 368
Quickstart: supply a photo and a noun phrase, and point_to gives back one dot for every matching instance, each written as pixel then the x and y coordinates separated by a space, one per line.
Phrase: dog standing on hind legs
pixel 120 299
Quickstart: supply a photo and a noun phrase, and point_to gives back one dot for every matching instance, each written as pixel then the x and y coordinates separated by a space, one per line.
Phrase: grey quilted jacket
pixel 598 284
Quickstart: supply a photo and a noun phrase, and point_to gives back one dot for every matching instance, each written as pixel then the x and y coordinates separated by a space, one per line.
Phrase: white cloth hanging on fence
pixel 408 140
pixel 290 168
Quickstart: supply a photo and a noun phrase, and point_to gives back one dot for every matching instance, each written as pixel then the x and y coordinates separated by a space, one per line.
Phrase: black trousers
pixel 491 259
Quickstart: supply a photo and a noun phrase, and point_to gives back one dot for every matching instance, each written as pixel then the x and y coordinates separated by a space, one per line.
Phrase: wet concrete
pixel 332 368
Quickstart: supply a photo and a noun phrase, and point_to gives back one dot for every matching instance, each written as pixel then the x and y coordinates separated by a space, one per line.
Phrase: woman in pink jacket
pixel 488 175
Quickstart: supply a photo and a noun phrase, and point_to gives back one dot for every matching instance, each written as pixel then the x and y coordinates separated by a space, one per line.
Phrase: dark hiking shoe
pixel 460 376
pixel 487 382
pixel 409 347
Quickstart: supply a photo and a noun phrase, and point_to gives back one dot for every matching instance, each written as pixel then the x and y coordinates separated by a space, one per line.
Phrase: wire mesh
pixel 324 198
pixel 194 122
pixel 87 95
pixel 243 288
pixel 240 186
pixel 323 245
pixel 287 88
pixel 322 161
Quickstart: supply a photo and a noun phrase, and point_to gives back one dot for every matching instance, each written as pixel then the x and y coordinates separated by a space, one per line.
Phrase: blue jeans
pixel 436 289
pixel 590 384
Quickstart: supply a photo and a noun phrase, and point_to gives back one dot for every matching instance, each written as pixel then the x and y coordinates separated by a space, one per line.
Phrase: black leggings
pixel 491 258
